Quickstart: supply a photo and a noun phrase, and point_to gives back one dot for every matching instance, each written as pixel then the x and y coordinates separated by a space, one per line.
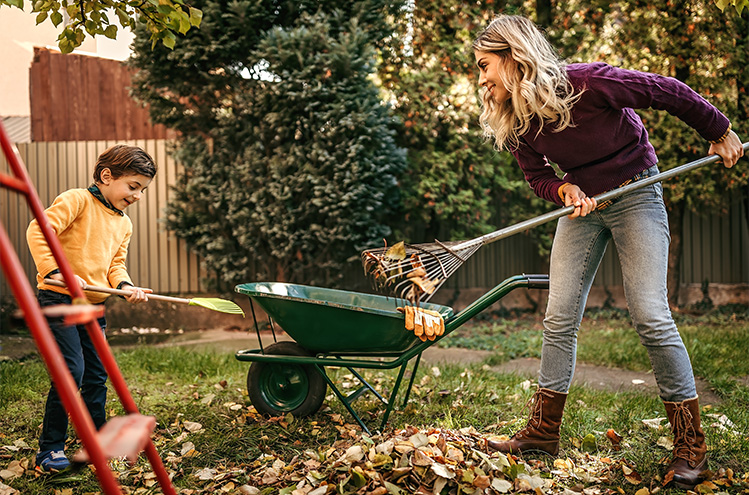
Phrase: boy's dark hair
pixel 122 159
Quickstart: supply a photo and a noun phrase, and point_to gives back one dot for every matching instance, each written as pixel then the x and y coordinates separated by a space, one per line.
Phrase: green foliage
pixel 290 159
pixel 739 5
pixel 456 185
pixel 693 42
pixel 162 19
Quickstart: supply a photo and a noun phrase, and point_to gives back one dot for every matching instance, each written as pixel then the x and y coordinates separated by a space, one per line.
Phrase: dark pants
pixel 87 370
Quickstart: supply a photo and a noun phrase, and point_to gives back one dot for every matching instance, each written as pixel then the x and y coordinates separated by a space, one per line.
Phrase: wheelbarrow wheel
pixel 280 388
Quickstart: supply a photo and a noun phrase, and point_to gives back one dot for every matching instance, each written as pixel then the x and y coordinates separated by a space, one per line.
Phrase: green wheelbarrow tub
pixel 336 321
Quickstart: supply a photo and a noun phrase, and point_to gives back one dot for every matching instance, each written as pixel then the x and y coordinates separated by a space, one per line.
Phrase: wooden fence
pixel 83 98
pixel 716 248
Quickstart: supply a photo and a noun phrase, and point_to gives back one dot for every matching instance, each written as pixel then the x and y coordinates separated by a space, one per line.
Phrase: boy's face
pixel 125 190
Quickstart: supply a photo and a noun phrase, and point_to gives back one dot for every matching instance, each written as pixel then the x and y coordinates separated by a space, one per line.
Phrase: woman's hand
pixel 136 294
pixel 574 196
pixel 730 150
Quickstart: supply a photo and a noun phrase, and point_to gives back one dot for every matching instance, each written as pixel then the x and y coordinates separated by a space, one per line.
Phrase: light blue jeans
pixel 638 224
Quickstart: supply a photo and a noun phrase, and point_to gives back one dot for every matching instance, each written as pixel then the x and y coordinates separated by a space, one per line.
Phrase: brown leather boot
pixel 542 431
pixel 689 459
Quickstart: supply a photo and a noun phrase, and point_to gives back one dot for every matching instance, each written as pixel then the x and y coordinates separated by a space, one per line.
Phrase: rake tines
pixel 414 272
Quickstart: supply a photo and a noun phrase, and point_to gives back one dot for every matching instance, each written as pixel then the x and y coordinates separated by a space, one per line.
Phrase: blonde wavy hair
pixel 533 74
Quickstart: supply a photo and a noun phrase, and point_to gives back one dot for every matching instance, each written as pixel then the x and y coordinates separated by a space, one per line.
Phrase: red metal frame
pixel 46 343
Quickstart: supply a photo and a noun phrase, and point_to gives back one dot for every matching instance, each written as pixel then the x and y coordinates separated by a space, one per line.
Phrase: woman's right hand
pixel 574 196
pixel 730 149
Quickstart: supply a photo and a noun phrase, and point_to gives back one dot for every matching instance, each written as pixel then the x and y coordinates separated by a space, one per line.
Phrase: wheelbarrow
pixel 340 329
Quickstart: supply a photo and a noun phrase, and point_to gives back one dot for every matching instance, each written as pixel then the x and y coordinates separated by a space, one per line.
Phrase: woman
pixel 581 117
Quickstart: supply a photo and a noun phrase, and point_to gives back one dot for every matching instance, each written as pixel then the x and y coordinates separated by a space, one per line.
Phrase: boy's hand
pixel 136 294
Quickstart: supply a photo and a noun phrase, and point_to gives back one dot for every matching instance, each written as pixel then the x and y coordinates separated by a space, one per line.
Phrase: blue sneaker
pixel 51 461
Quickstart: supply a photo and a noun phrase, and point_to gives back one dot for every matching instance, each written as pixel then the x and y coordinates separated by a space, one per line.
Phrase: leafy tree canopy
pixel 163 19
pixel 290 161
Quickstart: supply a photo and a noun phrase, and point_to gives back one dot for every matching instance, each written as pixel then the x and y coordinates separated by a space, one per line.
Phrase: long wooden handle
pixel 614 193
pixel 119 292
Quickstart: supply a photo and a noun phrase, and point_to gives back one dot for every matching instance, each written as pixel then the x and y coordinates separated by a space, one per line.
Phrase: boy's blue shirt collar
pixel 94 189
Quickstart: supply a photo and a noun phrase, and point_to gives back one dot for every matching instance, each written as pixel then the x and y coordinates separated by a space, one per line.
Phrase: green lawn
pixel 213 441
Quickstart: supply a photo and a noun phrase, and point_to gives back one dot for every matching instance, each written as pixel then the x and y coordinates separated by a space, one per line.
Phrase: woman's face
pixel 489 65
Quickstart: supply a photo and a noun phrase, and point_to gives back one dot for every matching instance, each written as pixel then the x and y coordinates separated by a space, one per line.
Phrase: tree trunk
pixel 543 12
pixel 676 226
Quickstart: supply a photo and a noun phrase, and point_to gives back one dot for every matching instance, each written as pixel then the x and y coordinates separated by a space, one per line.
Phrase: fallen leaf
pixel 188 449
pixel 653 423
pixel 614 438
pixel 501 485
pixel 192 426
pixel 481 482
pixel 666 442
pixel 589 443
pixel 6 490
pixel 14 470
pixel 352 454
pixel 419 458
pixel 443 471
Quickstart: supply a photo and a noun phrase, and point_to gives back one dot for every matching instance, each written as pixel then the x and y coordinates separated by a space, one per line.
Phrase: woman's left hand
pixel 730 150
pixel 137 294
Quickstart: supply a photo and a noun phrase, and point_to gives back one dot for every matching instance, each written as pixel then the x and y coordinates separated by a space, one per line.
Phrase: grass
pixel 179 386
pixel 716 341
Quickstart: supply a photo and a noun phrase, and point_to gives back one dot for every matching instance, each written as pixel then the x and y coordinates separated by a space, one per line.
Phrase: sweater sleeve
pixel 538 173
pixel 117 272
pixel 622 88
pixel 61 214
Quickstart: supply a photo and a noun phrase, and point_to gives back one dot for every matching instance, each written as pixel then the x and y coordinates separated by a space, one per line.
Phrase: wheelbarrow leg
pixel 411 382
pixel 365 386
pixel 397 385
pixel 342 398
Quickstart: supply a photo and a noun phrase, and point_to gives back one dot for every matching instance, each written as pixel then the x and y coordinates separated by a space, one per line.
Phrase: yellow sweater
pixel 94 238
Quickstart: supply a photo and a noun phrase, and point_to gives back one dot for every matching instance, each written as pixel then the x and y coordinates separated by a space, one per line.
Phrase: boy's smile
pixel 123 191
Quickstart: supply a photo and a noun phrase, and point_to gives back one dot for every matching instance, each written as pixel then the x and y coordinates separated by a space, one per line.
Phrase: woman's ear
pixel 105 176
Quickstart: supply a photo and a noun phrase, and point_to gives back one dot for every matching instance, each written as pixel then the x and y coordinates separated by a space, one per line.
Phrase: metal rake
pixel 414 272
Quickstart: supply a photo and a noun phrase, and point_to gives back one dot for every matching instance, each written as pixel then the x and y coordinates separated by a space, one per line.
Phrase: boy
pixel 95 233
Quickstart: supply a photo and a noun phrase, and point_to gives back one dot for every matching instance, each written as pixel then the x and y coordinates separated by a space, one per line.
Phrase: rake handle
pixel 614 193
pixel 119 292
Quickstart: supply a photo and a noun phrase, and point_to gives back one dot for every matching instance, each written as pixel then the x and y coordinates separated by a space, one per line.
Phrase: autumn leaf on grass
pixel 614 438
pixel 6 490
pixel 631 475
pixel 192 426
pixel 14 470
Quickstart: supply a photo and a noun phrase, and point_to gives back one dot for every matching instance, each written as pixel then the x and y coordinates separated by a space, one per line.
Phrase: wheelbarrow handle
pixel 614 193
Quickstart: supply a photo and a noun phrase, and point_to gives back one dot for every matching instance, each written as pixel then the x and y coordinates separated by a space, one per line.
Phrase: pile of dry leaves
pixel 399 462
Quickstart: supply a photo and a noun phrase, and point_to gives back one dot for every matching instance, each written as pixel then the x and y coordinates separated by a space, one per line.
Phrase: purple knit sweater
pixel 608 143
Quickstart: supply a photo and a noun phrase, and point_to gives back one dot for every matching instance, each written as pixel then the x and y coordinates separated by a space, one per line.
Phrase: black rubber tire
pixel 281 388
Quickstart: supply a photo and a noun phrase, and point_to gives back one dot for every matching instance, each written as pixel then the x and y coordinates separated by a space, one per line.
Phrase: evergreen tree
pixel 290 160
